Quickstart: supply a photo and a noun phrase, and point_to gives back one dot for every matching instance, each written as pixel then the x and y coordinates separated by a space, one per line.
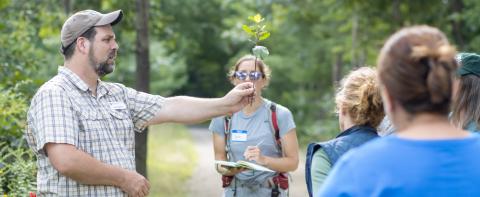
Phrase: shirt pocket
pixel 92 121
pixel 93 126
pixel 121 121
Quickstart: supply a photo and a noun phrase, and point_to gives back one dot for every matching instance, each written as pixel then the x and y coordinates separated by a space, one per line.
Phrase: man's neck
pixel 85 73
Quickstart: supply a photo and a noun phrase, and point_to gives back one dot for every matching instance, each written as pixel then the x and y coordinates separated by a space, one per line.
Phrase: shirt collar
pixel 102 89
pixel 357 128
pixel 80 84
pixel 73 78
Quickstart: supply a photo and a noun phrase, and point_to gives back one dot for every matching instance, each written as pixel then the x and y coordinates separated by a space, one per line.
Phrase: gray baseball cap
pixel 83 20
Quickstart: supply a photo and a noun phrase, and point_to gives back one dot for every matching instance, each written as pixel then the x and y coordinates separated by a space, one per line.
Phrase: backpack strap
pixel 227 126
pixel 227 180
pixel 281 180
pixel 274 125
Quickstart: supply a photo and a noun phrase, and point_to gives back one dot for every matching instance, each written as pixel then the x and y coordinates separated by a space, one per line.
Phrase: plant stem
pixel 255 69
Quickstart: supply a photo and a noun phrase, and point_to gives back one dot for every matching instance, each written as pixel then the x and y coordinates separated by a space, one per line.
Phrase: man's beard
pixel 102 68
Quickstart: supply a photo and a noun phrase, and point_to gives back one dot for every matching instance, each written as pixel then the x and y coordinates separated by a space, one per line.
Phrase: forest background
pixel 184 47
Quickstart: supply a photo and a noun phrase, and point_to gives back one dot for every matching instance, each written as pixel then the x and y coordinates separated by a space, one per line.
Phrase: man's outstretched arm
pixel 82 167
pixel 184 109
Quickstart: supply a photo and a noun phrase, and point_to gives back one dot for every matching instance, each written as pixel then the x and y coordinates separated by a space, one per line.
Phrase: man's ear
pixel 83 45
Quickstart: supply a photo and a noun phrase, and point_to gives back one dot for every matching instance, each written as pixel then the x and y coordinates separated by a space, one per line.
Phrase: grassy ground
pixel 171 159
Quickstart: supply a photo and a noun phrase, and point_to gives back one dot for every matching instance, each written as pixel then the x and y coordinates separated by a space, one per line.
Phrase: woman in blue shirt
pixel 427 156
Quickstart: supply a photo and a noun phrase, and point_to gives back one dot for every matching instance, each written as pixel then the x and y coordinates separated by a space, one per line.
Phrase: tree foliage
pixel 193 43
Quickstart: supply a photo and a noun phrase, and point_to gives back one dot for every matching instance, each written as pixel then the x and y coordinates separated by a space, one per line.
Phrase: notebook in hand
pixel 243 164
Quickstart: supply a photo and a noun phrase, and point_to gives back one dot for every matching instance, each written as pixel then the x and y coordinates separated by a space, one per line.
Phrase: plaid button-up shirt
pixel 64 111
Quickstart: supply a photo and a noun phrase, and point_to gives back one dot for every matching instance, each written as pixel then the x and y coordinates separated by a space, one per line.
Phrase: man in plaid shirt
pixel 82 129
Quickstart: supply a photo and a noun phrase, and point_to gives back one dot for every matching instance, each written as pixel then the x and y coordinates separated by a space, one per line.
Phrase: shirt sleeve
pixel 217 125
pixel 142 106
pixel 285 120
pixel 320 168
pixel 341 181
pixel 51 119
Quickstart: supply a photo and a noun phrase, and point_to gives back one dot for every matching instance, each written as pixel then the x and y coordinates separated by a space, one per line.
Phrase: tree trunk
pixel 457 24
pixel 397 15
pixel 67 6
pixel 354 38
pixel 337 68
pixel 142 78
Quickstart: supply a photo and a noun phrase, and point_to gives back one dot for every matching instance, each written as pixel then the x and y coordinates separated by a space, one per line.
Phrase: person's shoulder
pixel 116 88
pixel 371 149
pixel 475 138
pixel 217 124
pixel 280 108
pixel 55 85
pixel 379 143
pixel 218 118
pixel 54 89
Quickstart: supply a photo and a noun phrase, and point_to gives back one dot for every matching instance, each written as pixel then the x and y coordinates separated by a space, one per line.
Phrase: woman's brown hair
pixel 465 107
pixel 416 66
pixel 359 95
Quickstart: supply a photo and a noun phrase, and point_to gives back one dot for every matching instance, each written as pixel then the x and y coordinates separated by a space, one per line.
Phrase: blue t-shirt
pixel 393 166
pixel 257 128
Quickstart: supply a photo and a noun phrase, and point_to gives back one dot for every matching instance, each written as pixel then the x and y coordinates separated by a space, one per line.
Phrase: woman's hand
pixel 228 171
pixel 253 153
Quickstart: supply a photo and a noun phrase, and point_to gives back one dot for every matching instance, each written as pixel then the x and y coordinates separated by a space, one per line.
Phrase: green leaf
pixel 260 52
pixel 248 30
pixel 264 35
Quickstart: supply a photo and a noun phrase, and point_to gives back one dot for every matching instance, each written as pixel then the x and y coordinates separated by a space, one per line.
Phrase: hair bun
pixel 416 66
pixel 441 53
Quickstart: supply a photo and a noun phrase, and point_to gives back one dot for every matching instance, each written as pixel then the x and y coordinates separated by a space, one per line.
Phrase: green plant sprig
pixel 257 33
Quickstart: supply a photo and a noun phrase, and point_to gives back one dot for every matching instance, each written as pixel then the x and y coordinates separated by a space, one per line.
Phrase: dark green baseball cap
pixel 469 64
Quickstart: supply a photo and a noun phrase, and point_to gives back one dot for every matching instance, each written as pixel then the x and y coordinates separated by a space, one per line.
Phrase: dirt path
pixel 206 181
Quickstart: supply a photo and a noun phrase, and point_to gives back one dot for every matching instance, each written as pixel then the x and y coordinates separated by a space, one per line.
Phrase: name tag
pixel 117 105
pixel 239 135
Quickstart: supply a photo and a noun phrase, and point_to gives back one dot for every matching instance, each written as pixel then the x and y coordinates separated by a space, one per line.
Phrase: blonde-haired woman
pixel 263 133
pixel 360 111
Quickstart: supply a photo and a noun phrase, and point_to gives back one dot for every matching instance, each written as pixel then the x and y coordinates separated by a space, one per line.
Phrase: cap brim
pixel 111 18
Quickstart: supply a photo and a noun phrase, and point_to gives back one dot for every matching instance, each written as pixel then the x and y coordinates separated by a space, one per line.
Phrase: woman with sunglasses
pixel 427 156
pixel 248 135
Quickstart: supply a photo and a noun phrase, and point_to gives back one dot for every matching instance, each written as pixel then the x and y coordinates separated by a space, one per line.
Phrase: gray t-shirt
pixel 257 127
